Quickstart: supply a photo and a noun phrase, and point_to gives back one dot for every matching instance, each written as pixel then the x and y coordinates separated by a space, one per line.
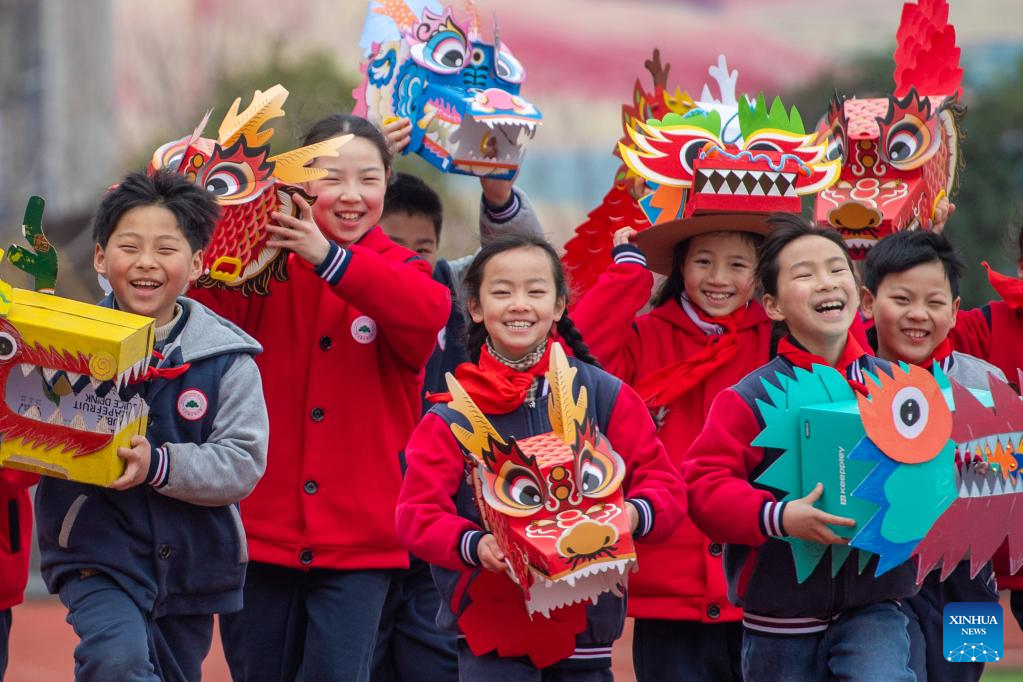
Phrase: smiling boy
pixel 143 566
pixel 911 291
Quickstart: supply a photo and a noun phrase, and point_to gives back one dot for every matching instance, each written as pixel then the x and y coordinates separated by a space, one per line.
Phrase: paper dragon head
pixel 249 185
pixel 900 155
pixel 553 501
pixel 461 93
pixel 62 366
pixel 902 462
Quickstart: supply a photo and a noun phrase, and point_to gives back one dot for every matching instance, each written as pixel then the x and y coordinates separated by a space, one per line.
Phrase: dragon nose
pixel 854 216
pixel 587 538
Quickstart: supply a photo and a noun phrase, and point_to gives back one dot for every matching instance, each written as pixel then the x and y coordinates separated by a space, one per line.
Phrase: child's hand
pixel 633 514
pixel 803 520
pixel 398 132
pixel 300 235
pixel 491 555
pixel 136 459
pixel 496 192
pixel 624 235
pixel 942 212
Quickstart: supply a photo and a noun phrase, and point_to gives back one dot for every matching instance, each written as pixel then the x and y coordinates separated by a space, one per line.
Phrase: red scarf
pixel 495 387
pixel 675 380
pixel 155 372
pixel 1009 288
pixel 938 355
pixel 800 357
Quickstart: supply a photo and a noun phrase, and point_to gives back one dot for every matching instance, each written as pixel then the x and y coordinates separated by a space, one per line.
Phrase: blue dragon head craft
pixel 928 469
pixel 461 94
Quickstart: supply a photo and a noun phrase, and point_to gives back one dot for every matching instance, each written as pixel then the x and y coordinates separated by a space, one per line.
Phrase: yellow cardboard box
pixel 62 364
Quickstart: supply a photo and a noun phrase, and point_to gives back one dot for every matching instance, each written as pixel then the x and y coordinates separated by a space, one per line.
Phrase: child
pixel 516 295
pixel 143 566
pixel 413 218
pixel 409 644
pixel 16 517
pixel 911 292
pixel 703 335
pixel 843 626
pixel 346 338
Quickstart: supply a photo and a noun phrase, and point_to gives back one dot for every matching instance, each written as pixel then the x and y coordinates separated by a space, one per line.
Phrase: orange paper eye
pixel 600 469
pixel 514 490
pixel 907 417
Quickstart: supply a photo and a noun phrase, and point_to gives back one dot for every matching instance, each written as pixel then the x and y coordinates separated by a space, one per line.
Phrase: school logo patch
pixel 364 329
pixel 192 404
pixel 972 631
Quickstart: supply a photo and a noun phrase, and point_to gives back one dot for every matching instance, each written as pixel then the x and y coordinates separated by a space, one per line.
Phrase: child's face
pixel 817 297
pixel 518 301
pixel 718 272
pixel 912 312
pixel 350 198
pixel 414 231
pixel 148 262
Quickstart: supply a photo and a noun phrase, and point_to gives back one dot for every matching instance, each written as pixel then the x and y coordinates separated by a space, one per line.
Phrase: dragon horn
pixel 290 167
pixel 564 410
pixel 477 438
pixel 265 106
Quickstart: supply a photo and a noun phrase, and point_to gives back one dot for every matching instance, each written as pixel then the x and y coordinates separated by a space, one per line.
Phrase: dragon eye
pixel 508 68
pixel 836 149
pixel 8 346
pixel 515 490
pixel 169 155
pixel 600 469
pixel 909 412
pixel 230 182
pixel 906 416
pixel 445 52
pixel 764 147
pixel 908 143
pixel 689 152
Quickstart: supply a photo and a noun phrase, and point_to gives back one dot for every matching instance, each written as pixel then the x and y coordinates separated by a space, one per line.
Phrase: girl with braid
pixel 516 294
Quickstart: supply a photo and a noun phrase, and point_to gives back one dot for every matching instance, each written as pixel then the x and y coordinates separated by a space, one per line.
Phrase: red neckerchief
pixel 1009 288
pixel 155 372
pixel 790 349
pixel 495 387
pixel 938 355
pixel 675 380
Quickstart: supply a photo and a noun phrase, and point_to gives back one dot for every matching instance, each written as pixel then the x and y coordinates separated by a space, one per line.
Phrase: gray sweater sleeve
pixel 523 221
pixel 225 468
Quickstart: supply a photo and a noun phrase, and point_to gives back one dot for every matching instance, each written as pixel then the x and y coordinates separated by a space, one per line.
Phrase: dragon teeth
pixel 26 369
pixel 56 418
pixel 48 372
pixel 78 422
pixel 32 412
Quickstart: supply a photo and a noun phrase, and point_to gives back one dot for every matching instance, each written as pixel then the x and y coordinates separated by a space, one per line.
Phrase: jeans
pixel 686 651
pixel 868 644
pixel 493 668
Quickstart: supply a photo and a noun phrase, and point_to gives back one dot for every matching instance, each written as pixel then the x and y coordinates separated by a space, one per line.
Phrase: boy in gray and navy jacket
pixel 143 566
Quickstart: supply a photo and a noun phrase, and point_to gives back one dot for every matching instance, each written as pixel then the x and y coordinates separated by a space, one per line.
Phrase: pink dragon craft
pixel 249 185
pixel 555 505
pixel 900 154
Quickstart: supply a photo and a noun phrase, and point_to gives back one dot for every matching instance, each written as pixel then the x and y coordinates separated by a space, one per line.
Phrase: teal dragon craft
pixel 928 469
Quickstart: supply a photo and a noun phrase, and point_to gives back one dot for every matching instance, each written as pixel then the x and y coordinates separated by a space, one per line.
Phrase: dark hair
pixel 907 249
pixel 785 229
pixel 477 333
pixel 195 210
pixel 408 194
pixel 675 284
pixel 345 124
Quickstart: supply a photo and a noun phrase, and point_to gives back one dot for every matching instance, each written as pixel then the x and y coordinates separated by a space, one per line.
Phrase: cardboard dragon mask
pixel 249 185
pixel 903 463
pixel 900 154
pixel 460 92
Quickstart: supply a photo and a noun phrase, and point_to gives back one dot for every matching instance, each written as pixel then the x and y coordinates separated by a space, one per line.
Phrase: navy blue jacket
pixel 176 545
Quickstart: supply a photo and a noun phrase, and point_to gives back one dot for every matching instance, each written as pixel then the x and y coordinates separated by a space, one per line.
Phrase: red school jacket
pixel 681 578
pixel 344 346
pixel 16 536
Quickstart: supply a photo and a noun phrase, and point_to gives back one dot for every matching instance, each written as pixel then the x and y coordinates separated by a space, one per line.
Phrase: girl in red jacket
pixel 516 295
pixel 703 335
pixel 345 339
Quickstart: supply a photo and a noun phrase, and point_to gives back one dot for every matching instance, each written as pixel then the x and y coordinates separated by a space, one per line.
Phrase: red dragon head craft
pixel 249 185
pixel 553 501
pixel 900 155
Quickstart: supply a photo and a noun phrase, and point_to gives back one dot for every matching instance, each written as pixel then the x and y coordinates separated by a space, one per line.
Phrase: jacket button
pixel 715 549
pixel 714 611
pixel 317 414
pixel 325 342
pixel 306 556
pixel 164 552
pixel 310 487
